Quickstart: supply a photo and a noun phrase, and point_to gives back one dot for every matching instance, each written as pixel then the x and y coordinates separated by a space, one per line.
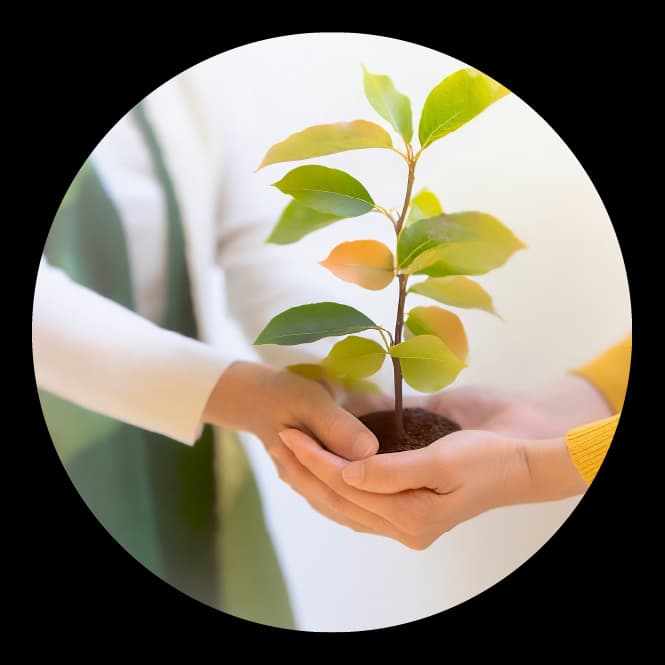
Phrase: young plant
pixel 446 247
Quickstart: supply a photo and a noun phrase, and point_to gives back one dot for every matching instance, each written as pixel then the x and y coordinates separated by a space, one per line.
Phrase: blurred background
pixel 563 300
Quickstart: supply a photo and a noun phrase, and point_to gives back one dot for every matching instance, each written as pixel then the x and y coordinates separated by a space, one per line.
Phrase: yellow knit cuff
pixel 588 445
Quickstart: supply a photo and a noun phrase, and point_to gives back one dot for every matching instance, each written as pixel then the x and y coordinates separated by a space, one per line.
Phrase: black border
pixel 79 85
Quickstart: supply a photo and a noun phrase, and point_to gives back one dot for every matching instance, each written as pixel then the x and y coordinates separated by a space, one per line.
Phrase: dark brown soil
pixel 420 429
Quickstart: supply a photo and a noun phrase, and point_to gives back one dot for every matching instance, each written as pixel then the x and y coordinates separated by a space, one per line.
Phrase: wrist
pixel 551 472
pixel 238 392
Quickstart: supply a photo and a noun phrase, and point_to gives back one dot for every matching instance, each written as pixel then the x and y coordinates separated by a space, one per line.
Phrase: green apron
pixel 191 515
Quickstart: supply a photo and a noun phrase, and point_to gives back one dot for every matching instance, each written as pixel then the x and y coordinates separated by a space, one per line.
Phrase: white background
pixel 563 300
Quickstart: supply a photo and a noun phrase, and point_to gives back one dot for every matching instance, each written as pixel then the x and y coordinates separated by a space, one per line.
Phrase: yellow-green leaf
pixel 327 190
pixel 442 323
pixel 427 363
pixel 361 386
pixel 318 373
pixel 309 323
pixel 423 205
pixel 463 243
pixel 368 263
pixel 425 234
pixel 459 98
pixel 355 357
pixel 328 139
pixel 457 291
pixel 310 371
pixel 296 221
pixel 390 104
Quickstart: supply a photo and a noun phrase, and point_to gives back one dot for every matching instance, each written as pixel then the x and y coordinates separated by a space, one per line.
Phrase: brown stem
pixel 407 197
pixel 399 322
pixel 397 368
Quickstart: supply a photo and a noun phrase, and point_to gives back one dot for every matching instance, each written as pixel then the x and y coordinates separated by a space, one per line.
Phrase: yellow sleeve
pixel 608 372
pixel 588 445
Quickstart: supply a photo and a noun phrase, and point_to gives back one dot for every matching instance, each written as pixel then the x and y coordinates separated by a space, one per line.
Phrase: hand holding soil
pixel 512 450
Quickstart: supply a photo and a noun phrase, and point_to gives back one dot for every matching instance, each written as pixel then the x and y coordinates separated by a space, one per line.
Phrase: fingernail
pixel 354 473
pixel 364 445
pixel 285 440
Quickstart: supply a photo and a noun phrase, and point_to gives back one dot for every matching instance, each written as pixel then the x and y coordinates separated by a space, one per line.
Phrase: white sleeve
pixel 262 280
pixel 103 357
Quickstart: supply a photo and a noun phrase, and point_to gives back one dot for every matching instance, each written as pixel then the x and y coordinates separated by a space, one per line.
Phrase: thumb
pixel 392 472
pixel 340 432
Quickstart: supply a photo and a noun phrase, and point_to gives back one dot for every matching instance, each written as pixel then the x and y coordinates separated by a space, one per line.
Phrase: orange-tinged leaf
pixel 368 263
pixel 442 323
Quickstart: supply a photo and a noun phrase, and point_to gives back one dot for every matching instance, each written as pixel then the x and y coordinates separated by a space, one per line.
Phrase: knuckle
pixel 334 421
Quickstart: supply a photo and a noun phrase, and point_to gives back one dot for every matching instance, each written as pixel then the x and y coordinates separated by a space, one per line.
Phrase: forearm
pixel 103 357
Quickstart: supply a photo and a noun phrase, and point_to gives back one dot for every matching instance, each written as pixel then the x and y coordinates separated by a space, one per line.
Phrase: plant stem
pixel 399 322
pixel 397 367
pixel 383 332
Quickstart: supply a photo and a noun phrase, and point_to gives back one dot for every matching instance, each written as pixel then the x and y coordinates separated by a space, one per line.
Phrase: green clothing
pixel 191 515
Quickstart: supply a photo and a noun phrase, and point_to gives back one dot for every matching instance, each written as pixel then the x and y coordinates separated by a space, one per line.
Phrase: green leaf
pixel 296 221
pixel 442 323
pixel 361 386
pixel 309 323
pixel 327 190
pixel 390 104
pixel 425 234
pixel 456 291
pixel 427 363
pixel 459 98
pixel 423 205
pixel 328 139
pixel 318 373
pixel 310 371
pixel 463 243
pixel 355 357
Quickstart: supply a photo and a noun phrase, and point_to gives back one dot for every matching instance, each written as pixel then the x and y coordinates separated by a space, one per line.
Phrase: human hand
pixel 545 412
pixel 264 401
pixel 424 493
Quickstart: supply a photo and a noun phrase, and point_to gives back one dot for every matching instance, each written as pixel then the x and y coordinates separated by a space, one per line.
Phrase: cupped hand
pixel 424 493
pixel 259 399
pixel 545 412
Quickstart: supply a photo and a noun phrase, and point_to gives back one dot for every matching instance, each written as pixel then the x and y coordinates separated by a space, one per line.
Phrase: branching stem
pixel 402 279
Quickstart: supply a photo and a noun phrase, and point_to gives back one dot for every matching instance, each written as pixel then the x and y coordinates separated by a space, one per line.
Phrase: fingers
pixel 393 472
pixel 407 516
pixel 323 498
pixel 338 430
